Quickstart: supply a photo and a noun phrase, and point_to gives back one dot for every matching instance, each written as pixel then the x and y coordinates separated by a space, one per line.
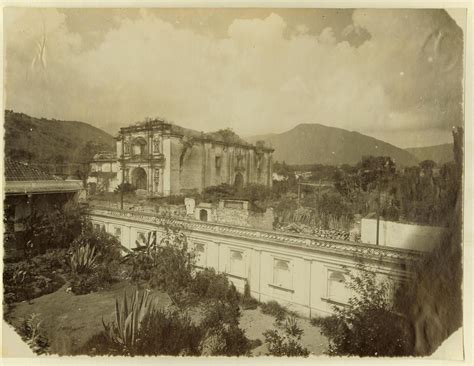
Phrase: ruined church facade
pixel 159 160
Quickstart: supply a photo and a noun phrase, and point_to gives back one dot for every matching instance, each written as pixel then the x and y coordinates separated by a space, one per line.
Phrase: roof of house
pixel 105 156
pixel 24 179
pixel 16 171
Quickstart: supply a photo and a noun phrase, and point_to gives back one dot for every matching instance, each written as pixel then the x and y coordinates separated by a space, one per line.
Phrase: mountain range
pixel 42 140
pixel 439 153
pixel 319 144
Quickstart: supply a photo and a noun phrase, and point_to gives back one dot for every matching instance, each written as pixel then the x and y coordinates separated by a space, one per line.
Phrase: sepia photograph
pixel 234 182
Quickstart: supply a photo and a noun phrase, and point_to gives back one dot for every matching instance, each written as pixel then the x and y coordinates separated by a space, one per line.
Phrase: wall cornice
pixel 310 243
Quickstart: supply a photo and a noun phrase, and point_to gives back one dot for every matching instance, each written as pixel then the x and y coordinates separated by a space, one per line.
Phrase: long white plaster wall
pixel 308 292
pixel 399 235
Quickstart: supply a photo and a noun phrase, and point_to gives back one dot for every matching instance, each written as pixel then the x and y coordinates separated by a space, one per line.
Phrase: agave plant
pixel 83 259
pixel 129 315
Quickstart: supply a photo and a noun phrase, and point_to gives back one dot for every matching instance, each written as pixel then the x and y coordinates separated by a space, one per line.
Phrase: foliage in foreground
pixel 166 264
pixel 31 332
pixel 141 328
pixel 94 258
pixel 369 324
pixel 33 277
pixel 273 308
pixel 285 339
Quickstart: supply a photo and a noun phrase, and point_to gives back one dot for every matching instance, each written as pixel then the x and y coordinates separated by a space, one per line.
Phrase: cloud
pixel 256 79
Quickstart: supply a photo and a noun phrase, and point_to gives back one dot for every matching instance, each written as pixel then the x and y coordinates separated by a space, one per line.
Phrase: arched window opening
pixel 282 273
pixel 337 289
pixel 203 215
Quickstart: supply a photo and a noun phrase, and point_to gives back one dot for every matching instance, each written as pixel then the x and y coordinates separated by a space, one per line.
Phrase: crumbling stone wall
pixel 232 216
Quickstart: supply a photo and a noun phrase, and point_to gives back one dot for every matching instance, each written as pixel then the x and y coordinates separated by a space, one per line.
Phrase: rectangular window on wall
pixel 282 273
pixel 237 263
pixel 97 227
pixel 200 250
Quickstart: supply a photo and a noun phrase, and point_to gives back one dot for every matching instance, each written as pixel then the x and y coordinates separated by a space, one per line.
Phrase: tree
pixel 427 166
pixel 369 325
pixel 432 302
pixel 227 135
pixel 376 172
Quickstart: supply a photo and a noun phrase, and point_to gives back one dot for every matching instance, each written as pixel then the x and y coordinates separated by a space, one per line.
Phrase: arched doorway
pixel 239 181
pixel 139 178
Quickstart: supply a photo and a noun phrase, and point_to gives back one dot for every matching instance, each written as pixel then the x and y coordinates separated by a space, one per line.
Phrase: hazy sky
pixel 392 74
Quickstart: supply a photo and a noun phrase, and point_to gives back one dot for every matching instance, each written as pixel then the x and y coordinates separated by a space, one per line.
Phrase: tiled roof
pixel 16 171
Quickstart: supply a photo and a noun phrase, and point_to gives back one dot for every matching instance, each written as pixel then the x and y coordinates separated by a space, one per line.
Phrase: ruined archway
pixel 139 178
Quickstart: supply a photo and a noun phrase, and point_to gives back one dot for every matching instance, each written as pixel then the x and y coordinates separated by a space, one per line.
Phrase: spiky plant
pixel 83 259
pixel 124 331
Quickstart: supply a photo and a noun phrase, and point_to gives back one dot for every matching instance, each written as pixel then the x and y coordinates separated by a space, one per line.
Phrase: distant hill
pixel 40 140
pixel 319 144
pixel 439 153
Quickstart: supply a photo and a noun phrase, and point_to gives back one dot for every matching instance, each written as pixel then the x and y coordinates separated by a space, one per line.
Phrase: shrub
pixel 285 342
pixel 216 193
pixel 83 259
pixel 169 200
pixel 247 301
pixel 35 277
pixel 218 313
pixel 236 343
pixel 368 326
pixel 85 283
pixel 106 246
pixel 93 258
pixel 222 333
pixel 56 228
pixel 275 309
pixel 168 333
pixel 168 265
pixel 125 188
pixel 140 328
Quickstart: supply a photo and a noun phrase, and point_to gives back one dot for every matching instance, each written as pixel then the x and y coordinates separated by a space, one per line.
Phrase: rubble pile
pixel 316 231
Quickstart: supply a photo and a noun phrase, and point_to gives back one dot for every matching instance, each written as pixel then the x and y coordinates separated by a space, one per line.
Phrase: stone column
pixel 160 183
pixel 167 167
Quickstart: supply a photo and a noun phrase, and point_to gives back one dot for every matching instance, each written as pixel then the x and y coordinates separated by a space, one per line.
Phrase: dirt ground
pixel 69 320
